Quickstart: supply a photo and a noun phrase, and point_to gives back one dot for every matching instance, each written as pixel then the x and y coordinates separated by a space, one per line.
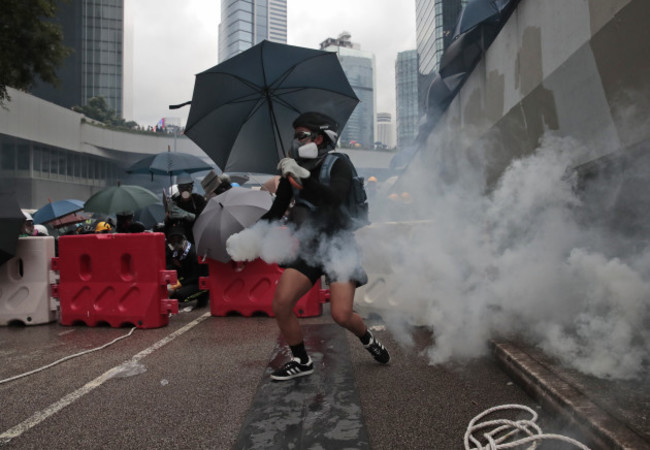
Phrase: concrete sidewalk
pixel 611 414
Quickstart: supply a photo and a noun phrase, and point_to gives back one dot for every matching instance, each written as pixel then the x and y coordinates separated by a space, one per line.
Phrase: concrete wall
pixel 580 68
pixel 34 119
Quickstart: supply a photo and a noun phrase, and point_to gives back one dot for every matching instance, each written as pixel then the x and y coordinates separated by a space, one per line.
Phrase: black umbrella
pixel 11 221
pixel 242 109
pixel 476 12
pixel 169 163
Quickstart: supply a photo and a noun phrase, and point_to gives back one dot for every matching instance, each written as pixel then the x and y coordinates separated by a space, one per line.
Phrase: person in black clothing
pixel 181 257
pixel 185 207
pixel 323 229
pixel 126 223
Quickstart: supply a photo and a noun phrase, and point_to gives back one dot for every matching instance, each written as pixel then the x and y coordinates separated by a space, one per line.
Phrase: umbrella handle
pixel 294 183
pixel 180 105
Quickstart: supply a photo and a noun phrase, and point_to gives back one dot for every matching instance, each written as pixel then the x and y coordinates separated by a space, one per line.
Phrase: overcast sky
pixel 172 40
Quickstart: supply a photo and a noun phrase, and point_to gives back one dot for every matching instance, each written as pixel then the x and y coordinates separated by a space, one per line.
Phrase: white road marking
pixel 40 416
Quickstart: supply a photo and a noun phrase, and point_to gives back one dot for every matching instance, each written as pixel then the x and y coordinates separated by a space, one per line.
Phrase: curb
pixel 560 397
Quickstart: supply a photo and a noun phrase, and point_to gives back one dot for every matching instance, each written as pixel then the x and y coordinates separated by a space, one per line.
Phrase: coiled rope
pixel 503 433
pixel 31 372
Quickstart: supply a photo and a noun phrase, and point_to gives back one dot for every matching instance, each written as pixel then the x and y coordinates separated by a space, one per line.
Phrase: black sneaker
pixel 377 350
pixel 293 369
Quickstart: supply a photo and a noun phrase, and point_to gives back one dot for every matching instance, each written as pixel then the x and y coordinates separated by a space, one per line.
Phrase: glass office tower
pixel 406 83
pixel 435 21
pixel 245 23
pixel 94 29
pixel 359 68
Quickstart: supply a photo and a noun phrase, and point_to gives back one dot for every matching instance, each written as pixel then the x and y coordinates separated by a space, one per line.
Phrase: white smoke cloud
pixel 271 242
pixel 281 243
pixel 519 261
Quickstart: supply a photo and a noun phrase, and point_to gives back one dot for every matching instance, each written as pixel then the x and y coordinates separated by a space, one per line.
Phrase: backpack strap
pixel 324 176
pixel 326 168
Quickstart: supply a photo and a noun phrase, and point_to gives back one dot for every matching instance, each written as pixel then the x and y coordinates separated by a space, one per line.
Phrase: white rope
pixel 502 433
pixel 40 369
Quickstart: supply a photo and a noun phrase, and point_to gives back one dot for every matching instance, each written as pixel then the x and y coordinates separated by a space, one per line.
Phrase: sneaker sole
pixel 289 377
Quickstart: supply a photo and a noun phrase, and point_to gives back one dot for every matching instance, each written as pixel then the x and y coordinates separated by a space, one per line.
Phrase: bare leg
pixel 291 287
pixel 341 302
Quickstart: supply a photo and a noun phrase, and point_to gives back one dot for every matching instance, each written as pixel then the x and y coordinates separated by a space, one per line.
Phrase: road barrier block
pixel 25 290
pixel 116 279
pixel 247 289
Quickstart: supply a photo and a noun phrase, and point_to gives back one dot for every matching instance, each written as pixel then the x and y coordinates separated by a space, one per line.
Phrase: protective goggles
pixel 302 135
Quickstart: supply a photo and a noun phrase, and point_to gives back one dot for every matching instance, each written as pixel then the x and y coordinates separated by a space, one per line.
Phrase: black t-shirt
pixel 316 203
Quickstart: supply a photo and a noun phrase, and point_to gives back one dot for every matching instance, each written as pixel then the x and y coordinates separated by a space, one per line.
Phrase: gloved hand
pixel 289 167
pixel 178 213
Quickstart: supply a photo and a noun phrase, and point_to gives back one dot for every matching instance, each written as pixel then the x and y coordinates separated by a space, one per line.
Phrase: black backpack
pixel 356 205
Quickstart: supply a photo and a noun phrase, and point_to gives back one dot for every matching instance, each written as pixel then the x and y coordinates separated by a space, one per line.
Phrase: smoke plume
pixel 534 257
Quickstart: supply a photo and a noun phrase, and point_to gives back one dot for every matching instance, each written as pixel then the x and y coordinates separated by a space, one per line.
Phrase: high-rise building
pixel 245 23
pixel 435 21
pixel 406 83
pixel 94 29
pixel 359 67
pixel 385 130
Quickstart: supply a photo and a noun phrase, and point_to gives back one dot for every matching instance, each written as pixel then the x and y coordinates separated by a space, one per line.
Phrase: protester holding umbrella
pixel 324 231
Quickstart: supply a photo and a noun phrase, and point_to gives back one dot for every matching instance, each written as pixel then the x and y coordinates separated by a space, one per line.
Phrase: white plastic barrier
pixel 25 289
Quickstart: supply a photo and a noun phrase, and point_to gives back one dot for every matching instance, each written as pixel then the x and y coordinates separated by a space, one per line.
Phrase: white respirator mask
pixel 308 151
pixel 186 195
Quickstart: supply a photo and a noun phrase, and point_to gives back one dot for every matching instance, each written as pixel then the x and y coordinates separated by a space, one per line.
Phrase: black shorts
pixel 337 257
pixel 314 273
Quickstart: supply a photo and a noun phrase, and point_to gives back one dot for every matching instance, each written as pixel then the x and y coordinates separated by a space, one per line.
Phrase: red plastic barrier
pixel 119 279
pixel 248 288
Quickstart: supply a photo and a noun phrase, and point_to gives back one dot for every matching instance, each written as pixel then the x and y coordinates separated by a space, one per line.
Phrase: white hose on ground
pixel 502 433
pixel 85 352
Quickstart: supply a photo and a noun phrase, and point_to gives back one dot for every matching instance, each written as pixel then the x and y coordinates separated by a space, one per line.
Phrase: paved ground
pixel 202 382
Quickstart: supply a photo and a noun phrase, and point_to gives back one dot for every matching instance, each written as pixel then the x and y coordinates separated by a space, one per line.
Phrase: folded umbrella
pixel 226 214
pixel 11 221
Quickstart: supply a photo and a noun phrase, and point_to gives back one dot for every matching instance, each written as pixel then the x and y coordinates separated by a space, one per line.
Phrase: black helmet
pixel 318 122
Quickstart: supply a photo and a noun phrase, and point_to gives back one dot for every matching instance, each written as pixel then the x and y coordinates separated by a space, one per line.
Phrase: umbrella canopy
pixel 226 214
pixel 150 215
pixel 69 219
pixel 11 221
pixel 169 163
pixel 476 12
pixel 56 210
pixel 243 108
pixel 116 199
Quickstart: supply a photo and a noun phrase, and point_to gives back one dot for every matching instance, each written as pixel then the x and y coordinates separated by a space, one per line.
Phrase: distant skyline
pixel 172 41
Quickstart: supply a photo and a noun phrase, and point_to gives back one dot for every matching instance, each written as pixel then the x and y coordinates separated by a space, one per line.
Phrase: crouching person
pixel 181 256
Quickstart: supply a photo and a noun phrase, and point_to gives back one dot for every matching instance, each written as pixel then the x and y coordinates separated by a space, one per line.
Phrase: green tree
pixel 30 44
pixel 98 109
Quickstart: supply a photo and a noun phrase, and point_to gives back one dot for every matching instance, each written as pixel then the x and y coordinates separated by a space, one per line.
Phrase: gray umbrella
pixel 243 108
pixel 226 214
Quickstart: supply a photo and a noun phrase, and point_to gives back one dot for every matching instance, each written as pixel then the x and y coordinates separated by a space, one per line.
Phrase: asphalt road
pixel 200 383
